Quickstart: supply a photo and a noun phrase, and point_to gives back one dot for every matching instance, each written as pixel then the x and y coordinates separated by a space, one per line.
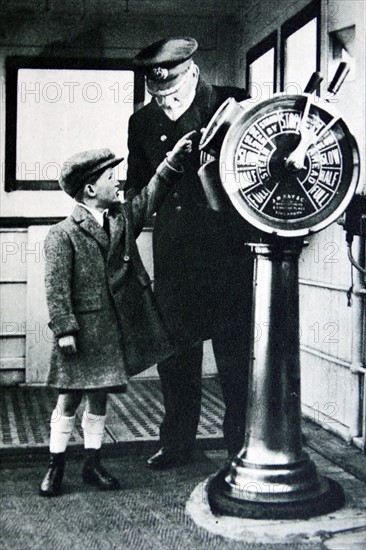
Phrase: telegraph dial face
pixel 289 166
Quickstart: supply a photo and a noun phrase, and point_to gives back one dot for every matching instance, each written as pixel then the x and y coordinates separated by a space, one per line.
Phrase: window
pixel 343 45
pixel 261 73
pixel 301 45
pixel 300 51
pixel 298 59
pixel 56 108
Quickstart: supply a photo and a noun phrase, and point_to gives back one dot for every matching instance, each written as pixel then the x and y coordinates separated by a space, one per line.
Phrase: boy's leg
pixel 93 427
pixel 62 425
pixel 63 420
pixel 93 421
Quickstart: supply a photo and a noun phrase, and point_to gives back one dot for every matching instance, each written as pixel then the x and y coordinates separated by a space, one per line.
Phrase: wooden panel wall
pixel 13 278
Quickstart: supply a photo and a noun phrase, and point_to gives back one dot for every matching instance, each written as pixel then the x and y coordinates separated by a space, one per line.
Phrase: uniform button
pixel 175 195
pixel 178 208
pixel 126 258
pixel 163 138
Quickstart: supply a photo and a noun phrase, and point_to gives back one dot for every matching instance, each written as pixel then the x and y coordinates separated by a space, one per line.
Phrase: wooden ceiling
pixel 20 9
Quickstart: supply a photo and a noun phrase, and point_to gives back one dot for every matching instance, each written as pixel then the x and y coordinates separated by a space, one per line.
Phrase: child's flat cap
pixel 80 167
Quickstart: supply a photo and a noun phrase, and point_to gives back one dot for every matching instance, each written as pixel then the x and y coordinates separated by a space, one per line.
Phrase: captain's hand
pixel 68 344
pixel 181 149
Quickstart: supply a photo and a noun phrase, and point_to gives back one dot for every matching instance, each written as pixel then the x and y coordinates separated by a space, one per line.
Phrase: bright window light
pixel 61 112
pixel 261 76
pixel 301 57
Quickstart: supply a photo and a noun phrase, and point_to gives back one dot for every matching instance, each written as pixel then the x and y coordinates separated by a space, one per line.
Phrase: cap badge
pixel 160 73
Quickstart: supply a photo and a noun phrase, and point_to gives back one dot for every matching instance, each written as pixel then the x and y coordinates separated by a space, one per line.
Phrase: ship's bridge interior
pixel 68 83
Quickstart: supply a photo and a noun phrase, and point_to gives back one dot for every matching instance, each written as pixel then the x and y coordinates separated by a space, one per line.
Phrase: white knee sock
pixel 61 429
pixel 93 427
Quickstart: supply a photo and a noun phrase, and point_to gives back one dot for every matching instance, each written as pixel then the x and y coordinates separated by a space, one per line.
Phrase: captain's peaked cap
pixel 166 62
pixel 78 169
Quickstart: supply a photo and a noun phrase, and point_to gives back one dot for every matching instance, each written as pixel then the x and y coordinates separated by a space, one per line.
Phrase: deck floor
pixel 154 510
pixel 133 417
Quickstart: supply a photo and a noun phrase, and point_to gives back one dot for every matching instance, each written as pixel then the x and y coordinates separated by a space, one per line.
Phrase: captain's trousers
pixel 181 380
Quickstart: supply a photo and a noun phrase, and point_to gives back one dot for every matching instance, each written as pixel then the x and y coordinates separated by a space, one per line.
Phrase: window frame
pixel 15 63
pixel 257 51
pixel 295 23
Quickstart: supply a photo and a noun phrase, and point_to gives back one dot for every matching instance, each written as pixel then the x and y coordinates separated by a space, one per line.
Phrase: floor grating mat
pixel 132 417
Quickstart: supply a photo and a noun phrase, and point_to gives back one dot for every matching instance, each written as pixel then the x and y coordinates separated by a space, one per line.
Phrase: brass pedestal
pixel 272 477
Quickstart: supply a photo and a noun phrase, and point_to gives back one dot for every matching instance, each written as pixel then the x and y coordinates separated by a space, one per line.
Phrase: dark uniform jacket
pixel 200 264
pixel 98 290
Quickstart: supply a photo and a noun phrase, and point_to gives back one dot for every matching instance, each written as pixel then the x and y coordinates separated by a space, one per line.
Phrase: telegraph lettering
pixel 276 190
pixel 252 141
pixel 257 198
pixel 272 119
pixel 270 125
pixel 313 176
pixel 288 205
pixel 262 169
pixel 263 174
pixel 331 157
pixel 248 177
pixel 264 153
pixel 272 130
pixel 289 121
pixel 329 178
pixel 246 157
pixel 326 141
pixel 263 158
pixel 314 157
pixel 320 195
pixel 258 135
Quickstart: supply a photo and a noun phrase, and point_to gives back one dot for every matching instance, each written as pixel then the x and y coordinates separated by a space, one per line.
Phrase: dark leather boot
pixel 51 484
pixel 95 474
pixel 167 457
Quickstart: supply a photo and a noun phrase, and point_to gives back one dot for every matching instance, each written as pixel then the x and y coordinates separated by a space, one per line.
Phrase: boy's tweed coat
pixel 99 291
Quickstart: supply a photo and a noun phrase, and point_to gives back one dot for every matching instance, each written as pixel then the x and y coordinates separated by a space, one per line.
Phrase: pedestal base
pixel 328 498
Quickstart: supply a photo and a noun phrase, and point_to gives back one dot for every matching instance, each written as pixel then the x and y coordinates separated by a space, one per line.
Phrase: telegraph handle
pixel 313 83
pixel 296 159
pixel 339 78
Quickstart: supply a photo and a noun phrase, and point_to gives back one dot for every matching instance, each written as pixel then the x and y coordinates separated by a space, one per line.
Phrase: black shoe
pixel 51 484
pixel 167 457
pixel 95 474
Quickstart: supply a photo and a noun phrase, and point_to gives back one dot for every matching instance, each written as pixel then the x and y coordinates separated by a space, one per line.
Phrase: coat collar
pixel 90 225
pixel 117 223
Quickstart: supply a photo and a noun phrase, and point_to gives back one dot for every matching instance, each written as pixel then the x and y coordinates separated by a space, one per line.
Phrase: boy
pixel 102 310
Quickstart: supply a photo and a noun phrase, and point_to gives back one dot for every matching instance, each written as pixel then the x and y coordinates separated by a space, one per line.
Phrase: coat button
pixel 178 208
pixel 175 195
pixel 126 258
pixel 163 138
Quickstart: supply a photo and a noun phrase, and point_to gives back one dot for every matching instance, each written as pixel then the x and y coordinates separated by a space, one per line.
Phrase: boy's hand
pixel 68 344
pixel 181 149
